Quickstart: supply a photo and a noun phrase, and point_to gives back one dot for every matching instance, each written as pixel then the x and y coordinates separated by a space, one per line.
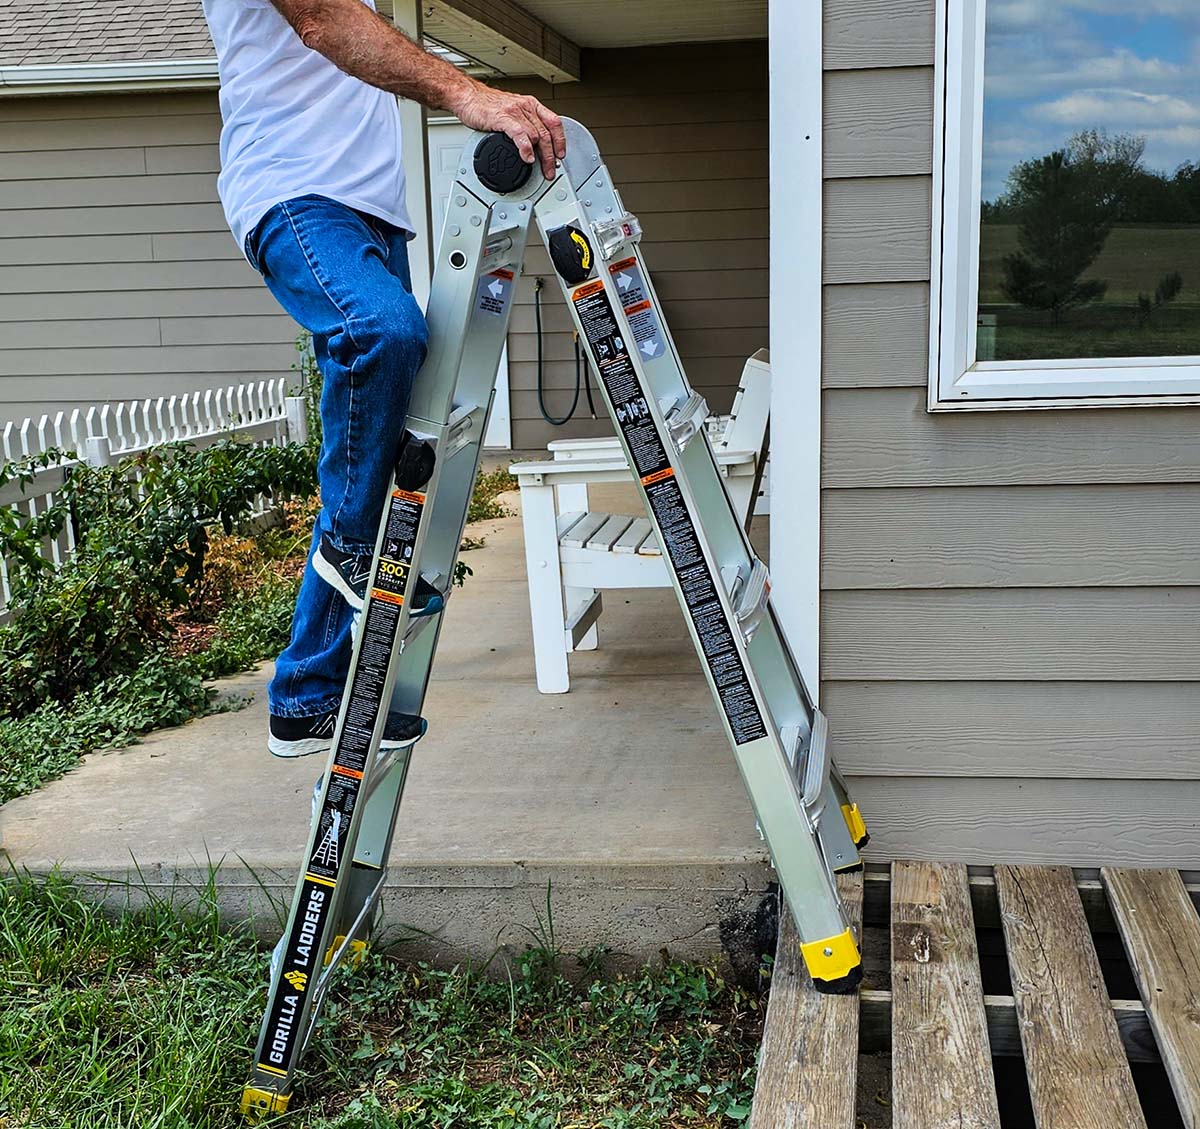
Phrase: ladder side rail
pixel 603 317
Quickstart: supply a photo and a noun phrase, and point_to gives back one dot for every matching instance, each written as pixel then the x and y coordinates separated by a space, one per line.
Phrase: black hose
pixel 541 391
pixel 587 375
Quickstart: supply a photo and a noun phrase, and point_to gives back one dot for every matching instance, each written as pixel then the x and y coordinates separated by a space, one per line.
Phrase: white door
pixel 446 139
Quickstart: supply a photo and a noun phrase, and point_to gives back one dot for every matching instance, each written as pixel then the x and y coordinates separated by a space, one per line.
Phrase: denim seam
pixel 347 320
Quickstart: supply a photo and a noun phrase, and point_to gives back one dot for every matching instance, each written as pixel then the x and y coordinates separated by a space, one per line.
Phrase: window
pixel 1066 249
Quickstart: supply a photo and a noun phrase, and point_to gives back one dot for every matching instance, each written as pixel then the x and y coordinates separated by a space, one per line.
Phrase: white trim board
pixel 85 78
pixel 956 380
pixel 795 317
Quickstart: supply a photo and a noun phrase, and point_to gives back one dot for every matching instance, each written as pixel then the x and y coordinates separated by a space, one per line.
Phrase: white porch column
pixel 795 311
pixel 407 17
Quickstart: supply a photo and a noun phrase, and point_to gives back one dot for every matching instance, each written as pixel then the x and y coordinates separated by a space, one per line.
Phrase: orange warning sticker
pixel 408 496
pixel 657 476
pixel 388 597
pixel 354 774
pixel 587 289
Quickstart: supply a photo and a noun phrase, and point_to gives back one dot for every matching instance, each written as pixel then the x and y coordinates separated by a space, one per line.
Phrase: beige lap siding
pixel 1010 601
pixel 118 277
pixel 684 132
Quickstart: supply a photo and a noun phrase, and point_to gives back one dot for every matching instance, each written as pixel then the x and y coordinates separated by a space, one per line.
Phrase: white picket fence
pixel 261 413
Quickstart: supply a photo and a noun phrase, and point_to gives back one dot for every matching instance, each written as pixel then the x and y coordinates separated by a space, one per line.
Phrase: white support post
pixel 795 314
pixel 540 525
pixel 406 14
pixel 297 419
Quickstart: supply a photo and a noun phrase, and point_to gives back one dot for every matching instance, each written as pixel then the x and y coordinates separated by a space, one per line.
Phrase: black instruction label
pixel 677 532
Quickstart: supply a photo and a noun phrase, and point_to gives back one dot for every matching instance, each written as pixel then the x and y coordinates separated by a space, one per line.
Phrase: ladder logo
pixel 326 853
pixel 298 980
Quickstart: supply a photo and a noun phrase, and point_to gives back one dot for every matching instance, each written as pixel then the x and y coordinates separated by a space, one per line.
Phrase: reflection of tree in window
pixel 1080 255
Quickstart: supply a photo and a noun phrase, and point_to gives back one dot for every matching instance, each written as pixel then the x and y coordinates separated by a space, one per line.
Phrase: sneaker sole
pixel 337 582
pixel 306 746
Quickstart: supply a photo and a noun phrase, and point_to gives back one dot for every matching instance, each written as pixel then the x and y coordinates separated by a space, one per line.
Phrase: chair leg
pixel 540 525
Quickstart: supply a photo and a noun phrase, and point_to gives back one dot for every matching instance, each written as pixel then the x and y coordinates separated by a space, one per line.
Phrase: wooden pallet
pixel 923 997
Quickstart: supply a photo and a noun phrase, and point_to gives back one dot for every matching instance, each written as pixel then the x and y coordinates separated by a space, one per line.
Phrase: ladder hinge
pixel 686 420
pixel 611 234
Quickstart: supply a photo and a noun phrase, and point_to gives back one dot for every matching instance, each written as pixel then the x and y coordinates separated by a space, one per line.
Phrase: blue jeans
pixel 344 276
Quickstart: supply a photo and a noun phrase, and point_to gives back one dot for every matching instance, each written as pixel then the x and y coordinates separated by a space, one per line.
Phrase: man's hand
pixel 531 125
pixel 367 46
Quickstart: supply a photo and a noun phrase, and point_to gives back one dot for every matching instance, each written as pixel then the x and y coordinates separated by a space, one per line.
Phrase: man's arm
pixel 366 46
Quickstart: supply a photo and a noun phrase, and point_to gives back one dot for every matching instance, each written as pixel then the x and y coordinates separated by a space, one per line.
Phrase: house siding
pixel 1010 601
pixel 118 276
pixel 683 129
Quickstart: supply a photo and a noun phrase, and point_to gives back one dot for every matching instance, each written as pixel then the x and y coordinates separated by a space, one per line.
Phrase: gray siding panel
pixel 877 229
pixel 876 335
pixel 1005 537
pixel 878 119
pixel 1109 730
pixel 1083 823
pixel 885 437
pixel 704 215
pixel 1015 634
pixel 118 276
pixel 878 33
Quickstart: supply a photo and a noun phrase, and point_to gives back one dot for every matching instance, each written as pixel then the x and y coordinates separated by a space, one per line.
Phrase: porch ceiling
pixel 633 23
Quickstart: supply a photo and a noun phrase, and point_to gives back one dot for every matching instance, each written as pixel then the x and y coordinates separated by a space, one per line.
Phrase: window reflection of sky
pixel 1054 67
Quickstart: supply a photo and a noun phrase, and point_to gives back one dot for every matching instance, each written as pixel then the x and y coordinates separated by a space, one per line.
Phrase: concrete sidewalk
pixel 622 795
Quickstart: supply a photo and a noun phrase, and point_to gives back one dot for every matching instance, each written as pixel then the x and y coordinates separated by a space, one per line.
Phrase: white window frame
pixel 956 380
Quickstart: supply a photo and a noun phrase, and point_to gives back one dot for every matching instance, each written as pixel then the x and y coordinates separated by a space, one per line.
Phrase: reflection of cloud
pixel 1053 67
pixel 1130 108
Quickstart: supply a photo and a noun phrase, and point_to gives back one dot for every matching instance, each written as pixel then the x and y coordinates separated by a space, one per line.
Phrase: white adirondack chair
pixel 572 553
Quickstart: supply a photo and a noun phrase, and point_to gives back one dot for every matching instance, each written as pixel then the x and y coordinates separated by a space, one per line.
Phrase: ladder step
pixel 686 420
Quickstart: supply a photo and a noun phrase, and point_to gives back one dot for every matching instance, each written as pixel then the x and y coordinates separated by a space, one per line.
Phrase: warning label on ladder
pixel 677 532
pixel 494 291
pixel 643 323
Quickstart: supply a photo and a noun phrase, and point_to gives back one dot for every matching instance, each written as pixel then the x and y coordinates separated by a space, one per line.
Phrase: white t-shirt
pixel 294 124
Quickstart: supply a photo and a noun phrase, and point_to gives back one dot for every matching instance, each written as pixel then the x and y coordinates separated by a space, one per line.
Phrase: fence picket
pixel 102 433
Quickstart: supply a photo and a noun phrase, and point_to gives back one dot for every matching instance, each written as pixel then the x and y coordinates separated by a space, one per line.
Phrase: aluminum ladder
pixel 779 738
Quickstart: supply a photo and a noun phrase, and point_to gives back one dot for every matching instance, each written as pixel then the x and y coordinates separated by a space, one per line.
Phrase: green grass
pixel 485 503
pixel 1133 260
pixel 148 1020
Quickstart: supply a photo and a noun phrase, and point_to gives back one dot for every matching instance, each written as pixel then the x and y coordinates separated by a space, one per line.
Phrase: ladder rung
pixel 686 420
pixel 748 594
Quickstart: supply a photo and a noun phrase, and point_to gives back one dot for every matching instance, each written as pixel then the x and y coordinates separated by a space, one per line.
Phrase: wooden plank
pixel 88 191
pixel 1011 536
pixel 1022 634
pixel 985 907
pixel 638 531
pixel 1102 730
pixel 56 108
pixel 941 1070
pixel 808 1064
pixel 1076 822
pixel 94 133
pixel 1161 932
pixel 68 163
pixel 878 33
pixel 878 122
pixel 608 534
pixel 885 437
pixel 1003 1034
pixel 876 335
pixel 877 229
pixel 76 249
pixel 580 532
pixel 1078 1075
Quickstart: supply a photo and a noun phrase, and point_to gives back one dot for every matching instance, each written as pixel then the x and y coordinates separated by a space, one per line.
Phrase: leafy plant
pixel 1166 291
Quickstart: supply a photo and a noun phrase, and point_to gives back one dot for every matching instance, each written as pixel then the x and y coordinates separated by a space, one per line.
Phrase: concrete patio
pixel 622 795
